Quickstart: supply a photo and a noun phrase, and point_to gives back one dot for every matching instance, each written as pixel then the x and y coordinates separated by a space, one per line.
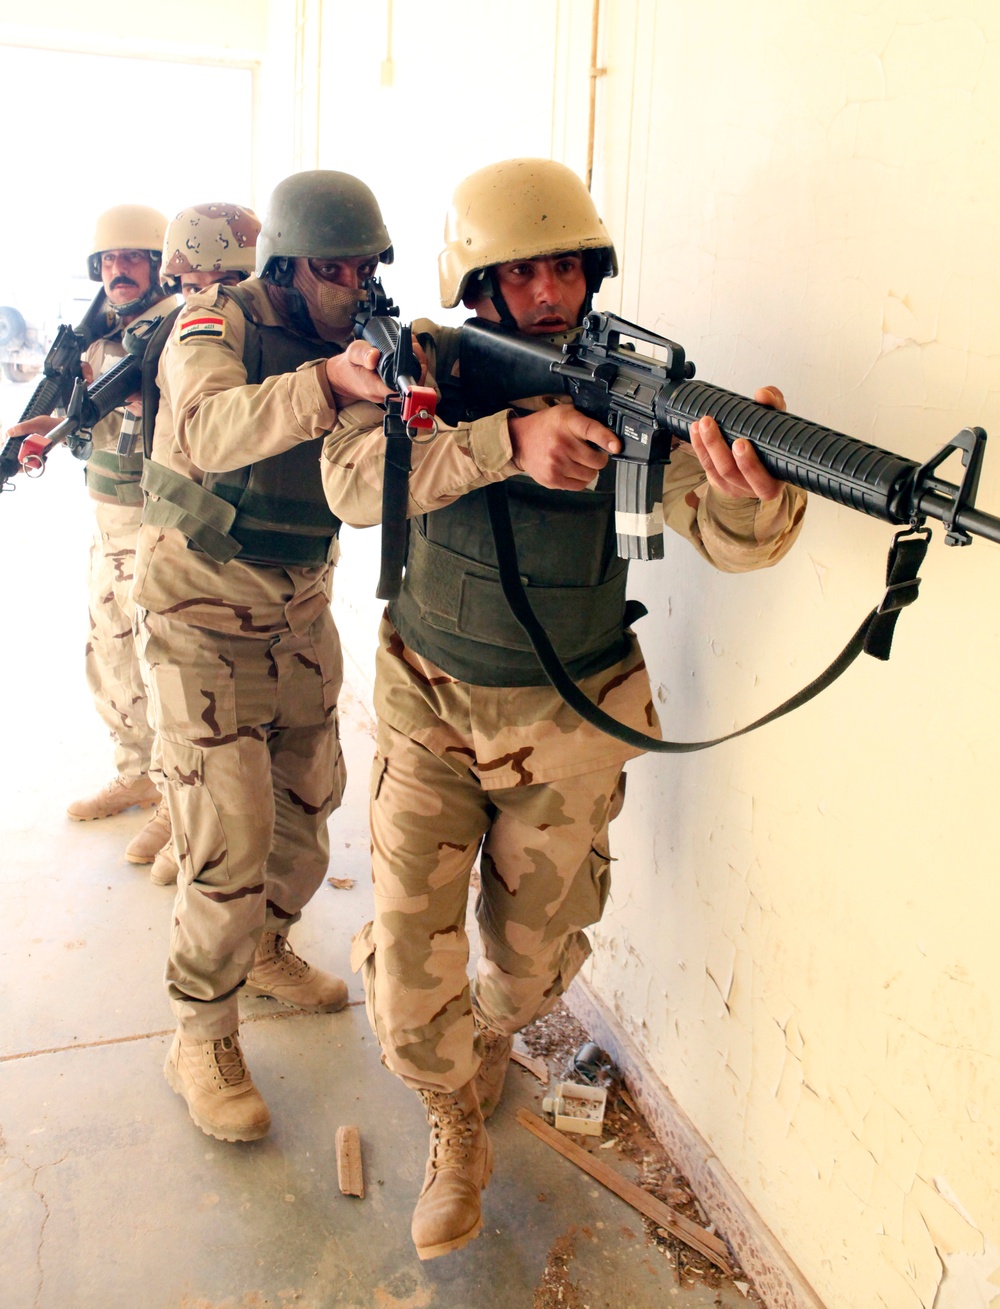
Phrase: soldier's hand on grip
pixel 353 377
pixel 560 447
pixel 736 471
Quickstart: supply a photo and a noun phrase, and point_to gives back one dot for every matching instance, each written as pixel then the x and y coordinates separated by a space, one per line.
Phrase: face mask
pixel 331 307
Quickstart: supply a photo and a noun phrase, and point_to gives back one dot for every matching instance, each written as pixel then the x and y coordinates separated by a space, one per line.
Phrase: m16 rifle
pixel 649 402
pixel 60 373
pixel 87 405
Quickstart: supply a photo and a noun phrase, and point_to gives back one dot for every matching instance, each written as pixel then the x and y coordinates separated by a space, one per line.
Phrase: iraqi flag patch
pixel 205 326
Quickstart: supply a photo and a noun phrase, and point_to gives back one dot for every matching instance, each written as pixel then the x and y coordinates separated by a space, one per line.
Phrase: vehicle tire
pixel 20 372
pixel 12 328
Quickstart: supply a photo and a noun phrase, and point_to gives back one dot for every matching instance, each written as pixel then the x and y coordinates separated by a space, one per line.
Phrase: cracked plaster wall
pixel 802 936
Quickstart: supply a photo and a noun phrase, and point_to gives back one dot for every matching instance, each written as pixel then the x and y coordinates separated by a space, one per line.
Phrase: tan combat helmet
pixel 212 238
pixel 319 215
pixel 520 209
pixel 127 227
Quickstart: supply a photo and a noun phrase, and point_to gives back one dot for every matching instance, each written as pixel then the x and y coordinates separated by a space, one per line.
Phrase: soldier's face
pixel 543 295
pixel 352 272
pixel 191 283
pixel 126 274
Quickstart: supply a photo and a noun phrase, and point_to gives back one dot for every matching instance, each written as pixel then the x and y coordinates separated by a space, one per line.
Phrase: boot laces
pixel 452 1132
pixel 229 1060
pixel 288 960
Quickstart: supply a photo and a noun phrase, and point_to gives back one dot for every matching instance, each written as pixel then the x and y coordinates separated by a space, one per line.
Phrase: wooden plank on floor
pixel 676 1224
pixel 350 1177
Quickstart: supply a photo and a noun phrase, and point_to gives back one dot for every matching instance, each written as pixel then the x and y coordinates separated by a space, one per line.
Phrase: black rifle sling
pixel 395 494
pixel 874 636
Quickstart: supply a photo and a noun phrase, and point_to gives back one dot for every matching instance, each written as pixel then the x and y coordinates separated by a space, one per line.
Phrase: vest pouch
pixel 115 476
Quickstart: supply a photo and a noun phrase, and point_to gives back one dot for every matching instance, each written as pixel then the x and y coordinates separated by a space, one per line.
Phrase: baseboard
pixel 775 1277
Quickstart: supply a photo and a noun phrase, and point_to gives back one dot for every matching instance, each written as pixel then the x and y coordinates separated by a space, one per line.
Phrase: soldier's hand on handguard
pixel 40 426
pixel 736 471
pixel 560 447
pixel 353 377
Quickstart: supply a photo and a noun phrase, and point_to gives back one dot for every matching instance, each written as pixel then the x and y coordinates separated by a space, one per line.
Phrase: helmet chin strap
pixel 151 296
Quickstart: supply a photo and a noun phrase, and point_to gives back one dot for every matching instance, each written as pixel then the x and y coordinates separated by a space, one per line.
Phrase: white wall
pixel 802 938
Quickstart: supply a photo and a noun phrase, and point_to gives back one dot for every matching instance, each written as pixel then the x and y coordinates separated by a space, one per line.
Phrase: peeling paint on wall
pixel 970 1262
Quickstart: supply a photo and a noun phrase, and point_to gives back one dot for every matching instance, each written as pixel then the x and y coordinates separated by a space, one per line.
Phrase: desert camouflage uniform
pixel 245 668
pixel 512 767
pixel 113 672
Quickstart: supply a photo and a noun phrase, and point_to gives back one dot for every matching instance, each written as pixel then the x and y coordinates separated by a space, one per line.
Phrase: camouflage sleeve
pixel 213 406
pixel 734 535
pixel 454 461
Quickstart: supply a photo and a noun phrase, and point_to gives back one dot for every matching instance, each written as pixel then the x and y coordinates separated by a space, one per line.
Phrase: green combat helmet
pixel 212 238
pixel 319 215
pixel 519 209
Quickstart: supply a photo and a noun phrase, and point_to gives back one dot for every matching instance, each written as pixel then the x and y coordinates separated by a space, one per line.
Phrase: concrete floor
pixel 110 1197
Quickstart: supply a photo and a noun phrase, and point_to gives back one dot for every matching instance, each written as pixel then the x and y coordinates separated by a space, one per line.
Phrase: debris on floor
pixel 577 1108
pixel 350 1177
pixel 557 1040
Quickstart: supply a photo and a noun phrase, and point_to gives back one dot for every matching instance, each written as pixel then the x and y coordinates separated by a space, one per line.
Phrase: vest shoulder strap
pixel 154 349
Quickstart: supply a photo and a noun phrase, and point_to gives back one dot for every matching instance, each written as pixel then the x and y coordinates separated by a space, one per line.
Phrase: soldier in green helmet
pixel 476 753
pixel 233 583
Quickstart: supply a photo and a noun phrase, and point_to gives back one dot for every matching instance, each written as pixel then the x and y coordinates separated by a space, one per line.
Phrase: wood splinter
pixel 349 1175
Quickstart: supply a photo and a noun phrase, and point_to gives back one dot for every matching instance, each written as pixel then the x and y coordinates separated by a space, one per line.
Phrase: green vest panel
pixel 451 608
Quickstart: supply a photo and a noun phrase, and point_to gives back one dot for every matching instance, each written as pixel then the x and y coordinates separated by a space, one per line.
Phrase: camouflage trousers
pixel 252 769
pixel 114 675
pixel 544 874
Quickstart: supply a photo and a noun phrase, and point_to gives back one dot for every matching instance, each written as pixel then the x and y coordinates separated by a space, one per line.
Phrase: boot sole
pixel 210 1129
pixel 140 859
pixel 425 1252
pixel 251 989
pixel 433 1251
pixel 93 818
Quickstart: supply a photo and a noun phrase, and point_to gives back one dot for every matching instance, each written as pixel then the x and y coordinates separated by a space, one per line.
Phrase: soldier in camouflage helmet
pixel 125 257
pixel 475 751
pixel 206 244
pixel 233 583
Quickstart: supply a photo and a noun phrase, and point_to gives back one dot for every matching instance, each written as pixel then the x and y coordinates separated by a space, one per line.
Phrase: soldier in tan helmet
pixel 476 752
pixel 125 256
pixel 233 583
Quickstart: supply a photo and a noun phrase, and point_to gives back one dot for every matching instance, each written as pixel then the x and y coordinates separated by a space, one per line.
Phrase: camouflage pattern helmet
pixel 320 215
pixel 127 227
pixel 213 238
pixel 520 209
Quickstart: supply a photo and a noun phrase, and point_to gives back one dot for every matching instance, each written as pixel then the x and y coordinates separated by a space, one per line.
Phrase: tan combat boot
pixel 220 1094
pixel 165 867
pixel 118 795
pixel 278 971
pixel 448 1213
pixel 144 847
pixel 492 1071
